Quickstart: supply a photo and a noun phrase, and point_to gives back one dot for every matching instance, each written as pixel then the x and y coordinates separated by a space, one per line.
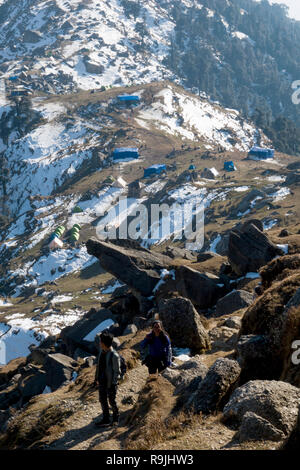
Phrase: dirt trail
pixel 80 432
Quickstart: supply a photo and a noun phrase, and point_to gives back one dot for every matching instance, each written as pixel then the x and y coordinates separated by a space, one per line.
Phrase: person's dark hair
pixel 106 338
pixel 163 335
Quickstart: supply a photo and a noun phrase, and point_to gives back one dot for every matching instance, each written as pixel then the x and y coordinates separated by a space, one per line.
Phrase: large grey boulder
pixel 32 384
pixel 275 401
pixel 233 301
pixel 203 289
pixel 249 249
pixel 216 386
pixel 183 324
pixel 186 377
pixel 59 369
pixel 139 269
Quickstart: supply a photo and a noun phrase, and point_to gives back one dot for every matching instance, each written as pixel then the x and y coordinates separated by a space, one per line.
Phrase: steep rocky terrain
pixel 231 307
pixel 55 302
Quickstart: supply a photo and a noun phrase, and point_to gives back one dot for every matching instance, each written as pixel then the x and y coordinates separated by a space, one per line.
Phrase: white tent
pixel 55 243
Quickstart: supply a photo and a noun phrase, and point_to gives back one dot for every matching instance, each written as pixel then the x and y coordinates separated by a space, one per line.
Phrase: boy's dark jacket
pixel 112 370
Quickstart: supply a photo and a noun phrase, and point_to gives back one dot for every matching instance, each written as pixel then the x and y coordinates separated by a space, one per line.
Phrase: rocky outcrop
pixel 181 253
pixel 216 386
pixel 249 249
pixel 274 401
pixel 278 269
pixel 59 369
pixel 203 289
pixel 139 269
pixel 269 328
pixel 233 301
pixel 191 333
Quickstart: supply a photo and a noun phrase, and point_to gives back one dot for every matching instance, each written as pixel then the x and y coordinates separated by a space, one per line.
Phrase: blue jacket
pixel 158 348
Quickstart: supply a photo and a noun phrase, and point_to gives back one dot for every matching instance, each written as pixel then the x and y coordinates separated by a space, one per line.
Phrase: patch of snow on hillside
pixel 40 271
pixel 281 194
pixel 243 36
pixel 268 224
pixel 15 343
pixel 194 118
pixel 99 328
pixel 276 178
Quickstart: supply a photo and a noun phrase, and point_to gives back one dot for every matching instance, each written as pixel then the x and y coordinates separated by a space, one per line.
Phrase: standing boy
pixel 107 376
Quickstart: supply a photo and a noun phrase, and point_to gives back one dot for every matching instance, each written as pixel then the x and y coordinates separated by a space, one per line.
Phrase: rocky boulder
pixel 32 384
pixel 256 428
pixel 233 301
pixel 216 387
pixel 274 401
pixel 59 369
pixel 268 331
pixel 186 377
pixel 183 324
pixel 82 334
pixel 249 249
pixel 139 269
pixel 203 289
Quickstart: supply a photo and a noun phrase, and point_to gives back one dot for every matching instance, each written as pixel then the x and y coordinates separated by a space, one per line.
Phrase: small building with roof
pixel 129 100
pixel 259 153
pixel 124 153
pixel 154 170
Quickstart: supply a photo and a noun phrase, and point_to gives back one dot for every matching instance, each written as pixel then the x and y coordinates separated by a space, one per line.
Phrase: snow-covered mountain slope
pixel 85 44
pixel 67 137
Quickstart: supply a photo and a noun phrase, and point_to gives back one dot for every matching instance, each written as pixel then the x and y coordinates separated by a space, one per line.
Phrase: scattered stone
pixel 206 255
pixel 130 330
pixel 233 322
pixel 223 338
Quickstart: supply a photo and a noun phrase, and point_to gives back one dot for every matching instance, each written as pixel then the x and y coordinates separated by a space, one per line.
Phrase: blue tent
pixel 15 77
pixel 261 153
pixel 192 167
pixel 129 99
pixel 154 170
pixel 125 152
pixel 229 166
